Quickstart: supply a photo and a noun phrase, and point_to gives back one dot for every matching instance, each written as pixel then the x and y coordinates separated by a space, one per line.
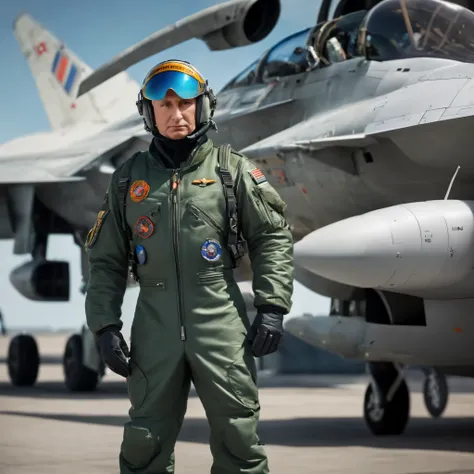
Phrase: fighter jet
pixel 367 112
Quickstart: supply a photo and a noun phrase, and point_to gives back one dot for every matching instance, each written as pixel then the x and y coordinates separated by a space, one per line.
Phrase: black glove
pixel 114 350
pixel 266 333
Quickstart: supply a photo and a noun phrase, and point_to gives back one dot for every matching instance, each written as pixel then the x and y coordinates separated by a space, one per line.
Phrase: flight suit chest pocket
pixel 203 215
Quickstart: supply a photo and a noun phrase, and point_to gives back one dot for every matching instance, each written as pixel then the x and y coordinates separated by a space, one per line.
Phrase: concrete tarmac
pixel 309 424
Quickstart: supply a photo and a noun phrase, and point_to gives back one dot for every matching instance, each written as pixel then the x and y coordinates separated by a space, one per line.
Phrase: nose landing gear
pixel 387 400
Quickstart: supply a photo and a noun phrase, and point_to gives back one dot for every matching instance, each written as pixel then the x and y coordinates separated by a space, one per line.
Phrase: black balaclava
pixel 174 152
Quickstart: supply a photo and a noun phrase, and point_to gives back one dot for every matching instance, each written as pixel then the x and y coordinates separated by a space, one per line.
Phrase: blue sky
pixel 97 31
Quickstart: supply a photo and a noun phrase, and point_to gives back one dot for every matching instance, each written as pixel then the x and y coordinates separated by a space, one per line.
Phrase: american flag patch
pixel 257 176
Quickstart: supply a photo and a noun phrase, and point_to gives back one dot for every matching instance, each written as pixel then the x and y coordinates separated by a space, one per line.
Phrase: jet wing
pixel 273 145
pixel 52 158
pixel 334 151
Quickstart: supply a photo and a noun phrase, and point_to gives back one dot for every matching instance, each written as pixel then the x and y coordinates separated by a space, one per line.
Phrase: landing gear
pixel 387 400
pixel 76 375
pixel 79 360
pixel 23 360
pixel 435 392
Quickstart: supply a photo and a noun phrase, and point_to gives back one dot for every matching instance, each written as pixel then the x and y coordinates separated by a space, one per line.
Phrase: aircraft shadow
pixel 58 390
pixel 118 389
pixel 445 434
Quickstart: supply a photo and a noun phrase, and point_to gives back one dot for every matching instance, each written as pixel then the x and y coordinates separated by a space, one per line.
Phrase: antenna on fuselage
pixel 451 183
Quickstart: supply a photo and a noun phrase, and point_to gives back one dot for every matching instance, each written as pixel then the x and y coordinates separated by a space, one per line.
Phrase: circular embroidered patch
pixel 144 227
pixel 211 250
pixel 140 252
pixel 139 190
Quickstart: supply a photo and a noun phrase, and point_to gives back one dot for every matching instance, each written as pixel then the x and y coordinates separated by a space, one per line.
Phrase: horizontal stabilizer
pixel 223 26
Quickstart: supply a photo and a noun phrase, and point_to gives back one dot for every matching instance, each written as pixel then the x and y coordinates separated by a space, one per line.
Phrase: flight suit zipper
pixel 175 180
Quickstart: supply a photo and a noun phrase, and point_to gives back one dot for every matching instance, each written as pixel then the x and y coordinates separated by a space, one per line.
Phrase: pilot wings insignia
pixel 203 182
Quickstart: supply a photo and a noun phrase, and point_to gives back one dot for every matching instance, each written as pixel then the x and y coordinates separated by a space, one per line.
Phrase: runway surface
pixel 309 424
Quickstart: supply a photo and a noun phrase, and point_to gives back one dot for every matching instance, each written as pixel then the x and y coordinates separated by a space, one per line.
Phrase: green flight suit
pixel 190 322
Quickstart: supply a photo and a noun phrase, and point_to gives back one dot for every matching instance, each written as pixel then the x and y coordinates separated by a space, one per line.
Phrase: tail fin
pixel 58 72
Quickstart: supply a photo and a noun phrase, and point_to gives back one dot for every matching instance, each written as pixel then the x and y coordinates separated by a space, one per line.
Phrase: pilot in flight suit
pixel 178 215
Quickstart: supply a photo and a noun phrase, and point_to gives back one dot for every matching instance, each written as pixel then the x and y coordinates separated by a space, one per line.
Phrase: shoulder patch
pixel 94 232
pixel 257 176
pixel 139 190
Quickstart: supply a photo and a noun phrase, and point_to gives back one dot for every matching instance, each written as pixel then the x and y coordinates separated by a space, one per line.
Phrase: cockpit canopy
pixel 336 40
pixel 393 29
pixel 288 57
pixel 396 29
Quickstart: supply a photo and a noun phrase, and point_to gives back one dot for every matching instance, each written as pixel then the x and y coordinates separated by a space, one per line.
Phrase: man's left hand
pixel 266 333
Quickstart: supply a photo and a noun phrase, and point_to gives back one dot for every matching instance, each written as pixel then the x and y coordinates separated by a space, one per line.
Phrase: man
pixel 190 322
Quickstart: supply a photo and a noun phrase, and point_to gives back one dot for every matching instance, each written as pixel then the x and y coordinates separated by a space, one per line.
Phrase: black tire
pixel 435 393
pixel 77 377
pixel 23 360
pixel 393 417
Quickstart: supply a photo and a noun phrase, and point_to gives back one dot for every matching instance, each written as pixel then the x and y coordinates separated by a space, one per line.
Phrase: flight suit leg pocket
pixel 242 442
pixel 140 445
pixel 137 385
pixel 242 379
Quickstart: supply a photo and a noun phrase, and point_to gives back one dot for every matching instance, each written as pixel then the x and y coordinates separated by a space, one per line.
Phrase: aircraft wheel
pixel 435 393
pixel 77 377
pixel 389 417
pixel 23 360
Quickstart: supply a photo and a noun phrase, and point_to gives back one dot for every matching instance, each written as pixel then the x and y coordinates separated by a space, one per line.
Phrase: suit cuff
pixel 106 328
pixel 270 308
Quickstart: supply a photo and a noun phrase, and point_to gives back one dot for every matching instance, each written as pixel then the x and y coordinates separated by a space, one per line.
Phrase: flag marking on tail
pixel 60 66
pixel 41 48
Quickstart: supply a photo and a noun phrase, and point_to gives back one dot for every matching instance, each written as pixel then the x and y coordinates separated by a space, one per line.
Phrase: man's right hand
pixel 114 350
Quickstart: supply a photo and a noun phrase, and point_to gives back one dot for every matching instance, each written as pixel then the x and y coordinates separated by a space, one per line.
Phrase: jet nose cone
pixel 361 251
